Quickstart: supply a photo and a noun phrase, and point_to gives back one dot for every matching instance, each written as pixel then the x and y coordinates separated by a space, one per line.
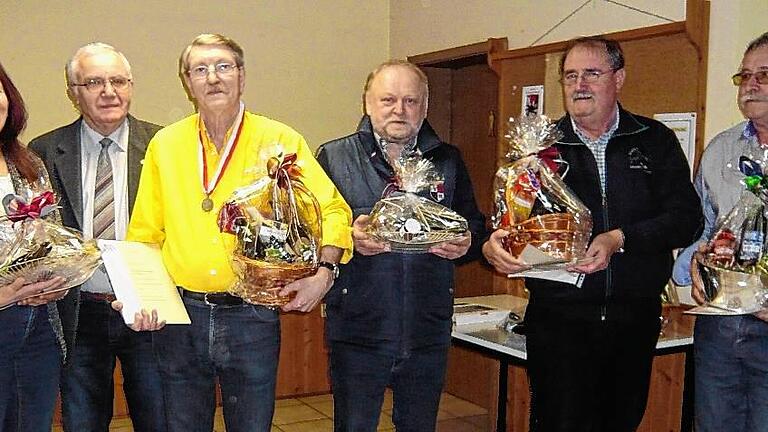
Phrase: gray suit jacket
pixel 60 152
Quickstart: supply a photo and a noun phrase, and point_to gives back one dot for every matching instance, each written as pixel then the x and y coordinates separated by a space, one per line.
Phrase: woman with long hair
pixel 31 340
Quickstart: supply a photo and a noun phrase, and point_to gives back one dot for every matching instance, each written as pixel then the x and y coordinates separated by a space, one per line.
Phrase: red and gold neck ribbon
pixel 40 205
pixel 229 149
pixel 284 170
pixel 549 156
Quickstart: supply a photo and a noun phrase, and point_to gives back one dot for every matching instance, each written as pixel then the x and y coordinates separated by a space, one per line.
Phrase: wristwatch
pixel 333 267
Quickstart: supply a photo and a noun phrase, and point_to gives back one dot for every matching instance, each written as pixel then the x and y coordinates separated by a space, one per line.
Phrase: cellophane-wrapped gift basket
pixel 531 200
pixel 37 249
pixel 409 222
pixel 277 225
pixel 734 266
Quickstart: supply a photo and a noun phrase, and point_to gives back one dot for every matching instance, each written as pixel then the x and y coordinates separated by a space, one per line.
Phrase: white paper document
pixel 140 281
pixel 546 267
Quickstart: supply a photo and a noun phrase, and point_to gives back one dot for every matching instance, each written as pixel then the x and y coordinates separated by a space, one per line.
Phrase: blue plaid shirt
pixel 598 146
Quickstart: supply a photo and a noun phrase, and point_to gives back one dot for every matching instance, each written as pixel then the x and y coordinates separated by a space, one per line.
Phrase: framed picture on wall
pixel 533 100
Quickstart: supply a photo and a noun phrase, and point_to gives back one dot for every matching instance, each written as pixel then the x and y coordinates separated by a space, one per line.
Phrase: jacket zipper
pixel 606 224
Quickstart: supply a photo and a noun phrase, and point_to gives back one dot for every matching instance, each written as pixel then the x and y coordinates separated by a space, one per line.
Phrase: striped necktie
pixel 104 196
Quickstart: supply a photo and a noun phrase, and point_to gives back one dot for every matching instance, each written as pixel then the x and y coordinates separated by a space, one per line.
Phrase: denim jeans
pixel 360 374
pixel 240 346
pixel 731 354
pixel 30 366
pixel 87 382
pixel 589 376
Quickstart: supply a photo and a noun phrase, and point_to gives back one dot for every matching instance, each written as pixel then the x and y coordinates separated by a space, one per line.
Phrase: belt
pixel 212 298
pixel 97 297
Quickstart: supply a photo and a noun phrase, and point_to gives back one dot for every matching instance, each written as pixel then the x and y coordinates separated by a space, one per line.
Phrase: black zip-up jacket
pixel 649 196
pixel 395 301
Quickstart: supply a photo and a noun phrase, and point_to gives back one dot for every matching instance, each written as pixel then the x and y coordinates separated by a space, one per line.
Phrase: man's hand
pixel 309 291
pixel 142 321
pixel 697 285
pixel 19 289
pixel 599 252
pixel 453 249
pixel 500 258
pixel 365 244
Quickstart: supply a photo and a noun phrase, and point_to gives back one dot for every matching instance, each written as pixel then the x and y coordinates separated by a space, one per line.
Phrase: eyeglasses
pixel 97 84
pixel 220 69
pixel 743 77
pixel 589 76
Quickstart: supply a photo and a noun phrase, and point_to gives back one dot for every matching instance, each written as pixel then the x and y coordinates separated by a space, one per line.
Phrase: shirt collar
pixel 749 131
pixel 602 138
pixel 381 141
pixel 119 136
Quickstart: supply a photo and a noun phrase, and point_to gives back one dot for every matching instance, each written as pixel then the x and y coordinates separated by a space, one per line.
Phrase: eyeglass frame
pixel 740 78
pixel 211 68
pixel 597 73
pixel 103 84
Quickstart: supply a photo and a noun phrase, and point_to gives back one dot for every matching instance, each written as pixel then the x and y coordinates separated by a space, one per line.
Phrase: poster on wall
pixel 684 126
pixel 533 100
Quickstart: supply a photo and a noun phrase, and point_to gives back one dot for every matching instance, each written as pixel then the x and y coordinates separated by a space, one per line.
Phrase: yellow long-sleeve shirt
pixel 168 203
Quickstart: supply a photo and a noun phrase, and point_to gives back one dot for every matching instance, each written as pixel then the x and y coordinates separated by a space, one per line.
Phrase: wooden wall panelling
pixel 303 367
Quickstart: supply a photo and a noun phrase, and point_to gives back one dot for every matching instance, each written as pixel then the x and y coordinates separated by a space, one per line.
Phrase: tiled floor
pixel 314 413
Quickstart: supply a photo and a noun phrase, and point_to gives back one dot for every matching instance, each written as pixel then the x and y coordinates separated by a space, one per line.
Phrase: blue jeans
pixel 87 382
pixel 731 354
pixel 240 346
pixel 360 374
pixel 30 366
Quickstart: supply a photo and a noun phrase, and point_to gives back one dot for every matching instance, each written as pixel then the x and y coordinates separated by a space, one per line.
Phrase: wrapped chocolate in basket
pixel 37 249
pixel 277 225
pixel 549 226
pixel 411 223
pixel 734 267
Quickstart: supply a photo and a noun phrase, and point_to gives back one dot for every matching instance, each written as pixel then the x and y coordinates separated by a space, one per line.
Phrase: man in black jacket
pixel 389 314
pixel 590 349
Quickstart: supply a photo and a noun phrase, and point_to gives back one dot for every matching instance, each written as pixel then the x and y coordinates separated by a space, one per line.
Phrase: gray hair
pixel 211 39
pixel 760 42
pixel 72 67
pixel 611 48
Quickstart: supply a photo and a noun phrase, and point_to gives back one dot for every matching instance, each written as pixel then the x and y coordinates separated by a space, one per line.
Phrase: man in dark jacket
pixel 590 349
pixel 389 314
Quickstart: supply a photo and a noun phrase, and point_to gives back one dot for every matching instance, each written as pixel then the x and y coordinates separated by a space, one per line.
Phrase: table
pixel 676 337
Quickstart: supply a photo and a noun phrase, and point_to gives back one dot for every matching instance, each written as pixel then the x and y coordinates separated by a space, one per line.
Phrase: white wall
pixel 305 60
pixel 733 24
pixel 420 26
pixel 429 25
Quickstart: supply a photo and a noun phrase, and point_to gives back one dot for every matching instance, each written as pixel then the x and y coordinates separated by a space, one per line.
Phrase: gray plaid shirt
pixel 598 146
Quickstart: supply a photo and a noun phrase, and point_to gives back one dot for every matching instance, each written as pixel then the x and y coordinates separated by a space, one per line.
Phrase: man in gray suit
pixel 94 166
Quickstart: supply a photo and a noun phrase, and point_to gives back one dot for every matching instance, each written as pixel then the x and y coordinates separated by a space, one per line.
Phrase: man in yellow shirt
pixel 191 168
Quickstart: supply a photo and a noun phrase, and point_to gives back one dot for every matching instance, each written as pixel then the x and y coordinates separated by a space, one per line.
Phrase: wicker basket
pixel 556 234
pixel 260 281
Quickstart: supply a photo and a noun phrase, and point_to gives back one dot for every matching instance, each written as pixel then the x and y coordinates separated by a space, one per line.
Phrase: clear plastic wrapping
pixel 277 225
pixel 532 202
pixel 411 223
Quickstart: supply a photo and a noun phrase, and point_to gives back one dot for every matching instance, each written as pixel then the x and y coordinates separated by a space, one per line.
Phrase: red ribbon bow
pixel 549 156
pixel 287 166
pixel 33 210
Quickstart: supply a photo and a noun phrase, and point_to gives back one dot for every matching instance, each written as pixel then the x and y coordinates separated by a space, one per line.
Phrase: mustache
pixel 753 97
pixel 581 95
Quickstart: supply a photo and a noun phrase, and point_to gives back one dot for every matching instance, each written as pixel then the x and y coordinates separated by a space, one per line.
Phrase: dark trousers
pixel 30 365
pixel 360 375
pixel 87 383
pixel 238 345
pixel 589 376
